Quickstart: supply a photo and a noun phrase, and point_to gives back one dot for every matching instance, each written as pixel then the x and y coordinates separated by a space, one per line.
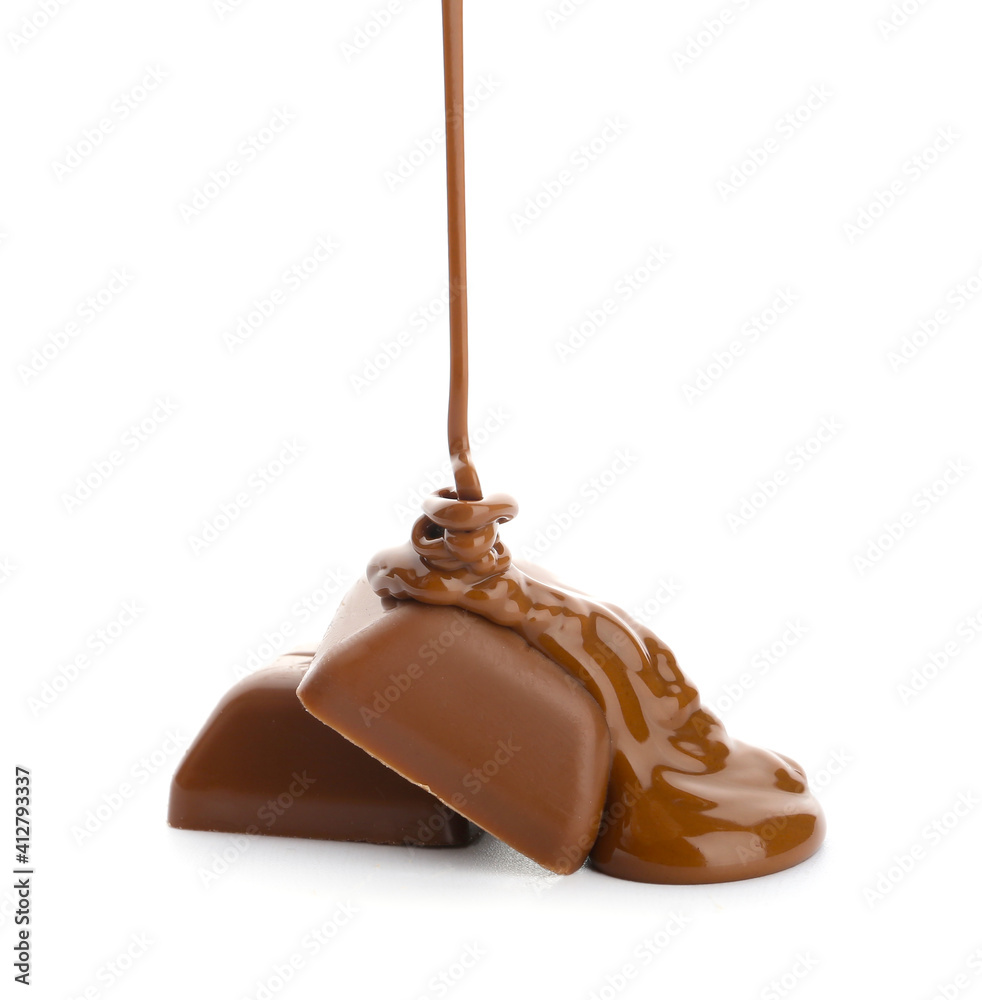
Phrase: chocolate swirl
pixel 455 535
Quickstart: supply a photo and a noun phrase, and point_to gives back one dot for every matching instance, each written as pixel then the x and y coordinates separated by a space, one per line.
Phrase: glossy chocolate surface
pixel 492 727
pixel 261 764
pixel 465 475
pixel 686 803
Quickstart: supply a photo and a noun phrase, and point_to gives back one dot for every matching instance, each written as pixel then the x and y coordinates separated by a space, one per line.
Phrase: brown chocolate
pixel 685 803
pixel 467 709
pixel 465 475
pixel 263 765
pixel 527 706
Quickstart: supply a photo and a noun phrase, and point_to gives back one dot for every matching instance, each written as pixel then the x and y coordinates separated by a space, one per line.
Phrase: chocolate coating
pixel 686 803
pixel 453 702
pixel 261 764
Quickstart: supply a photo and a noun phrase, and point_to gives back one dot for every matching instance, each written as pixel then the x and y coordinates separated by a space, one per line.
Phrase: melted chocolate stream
pixel 465 475
pixel 686 803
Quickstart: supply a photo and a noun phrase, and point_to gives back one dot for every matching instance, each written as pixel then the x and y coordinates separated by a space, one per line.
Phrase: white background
pixel 888 765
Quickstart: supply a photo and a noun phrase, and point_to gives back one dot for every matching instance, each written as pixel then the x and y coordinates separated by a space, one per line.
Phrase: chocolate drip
pixel 465 475
pixel 685 803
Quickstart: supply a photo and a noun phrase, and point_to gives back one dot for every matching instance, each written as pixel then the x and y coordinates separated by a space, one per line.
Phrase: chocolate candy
pixel 686 803
pixel 504 693
pixel 262 764
pixel 493 728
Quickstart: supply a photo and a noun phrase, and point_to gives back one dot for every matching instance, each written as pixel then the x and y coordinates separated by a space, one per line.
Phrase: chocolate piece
pixel 467 709
pixel 261 764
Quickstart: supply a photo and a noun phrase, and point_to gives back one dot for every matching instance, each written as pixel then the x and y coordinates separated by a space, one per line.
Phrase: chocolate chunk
pixel 469 710
pixel 262 764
